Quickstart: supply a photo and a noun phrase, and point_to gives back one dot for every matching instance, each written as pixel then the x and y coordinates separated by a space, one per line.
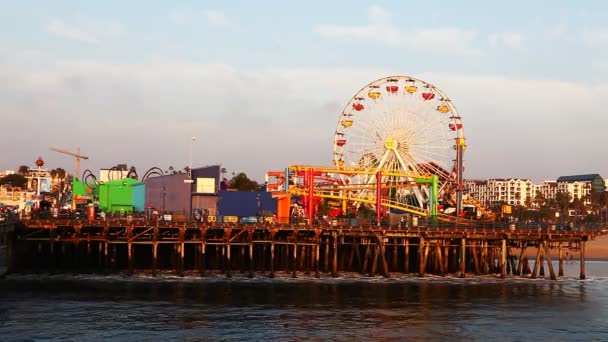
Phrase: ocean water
pixel 60 307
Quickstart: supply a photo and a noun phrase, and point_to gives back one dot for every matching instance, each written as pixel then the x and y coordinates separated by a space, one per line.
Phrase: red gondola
pixel 428 96
pixel 358 107
pixel 454 127
pixel 340 142
pixel 392 89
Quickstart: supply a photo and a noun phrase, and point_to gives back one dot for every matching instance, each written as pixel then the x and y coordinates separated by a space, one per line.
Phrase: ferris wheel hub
pixel 391 144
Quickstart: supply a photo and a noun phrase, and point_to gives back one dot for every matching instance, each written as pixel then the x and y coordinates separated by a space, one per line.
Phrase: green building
pixel 125 196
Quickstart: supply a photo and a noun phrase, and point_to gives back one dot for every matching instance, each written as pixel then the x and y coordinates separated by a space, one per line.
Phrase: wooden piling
pixel 114 257
pixel 99 256
pixel 250 259
pixel 334 272
pixel 395 259
pixel 295 260
pixel 539 253
pixel 407 255
pixel 503 259
pixel 476 257
pixel 385 270
pixel 522 257
pixel 181 259
pixel 561 259
pixel 582 261
pixel 106 256
pixel 446 256
pixel 302 260
pixel 351 258
pixel 271 266
pixel 326 260
pixel 484 257
pixel 425 257
pixel 154 257
pixel 421 265
pixel 463 250
pixel 317 257
pixel 374 262
pixel 228 262
pixel 549 261
pixel 440 263
pixel 130 256
pixel 366 258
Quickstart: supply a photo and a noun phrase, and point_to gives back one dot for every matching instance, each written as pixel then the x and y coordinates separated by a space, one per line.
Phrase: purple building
pixel 175 194
pixel 205 188
pixel 168 193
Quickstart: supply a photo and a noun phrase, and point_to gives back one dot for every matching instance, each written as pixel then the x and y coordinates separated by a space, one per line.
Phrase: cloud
pixel 213 17
pixel 85 30
pixel 255 120
pixel 510 40
pixel 381 30
pixel 595 39
pixel 61 29
pixel 216 18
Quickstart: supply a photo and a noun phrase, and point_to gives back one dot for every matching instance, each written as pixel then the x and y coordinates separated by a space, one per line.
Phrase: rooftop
pixel 579 178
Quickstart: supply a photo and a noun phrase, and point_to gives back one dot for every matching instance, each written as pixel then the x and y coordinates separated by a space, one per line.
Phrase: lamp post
pixel 164 196
pixel 190 160
pixel 189 180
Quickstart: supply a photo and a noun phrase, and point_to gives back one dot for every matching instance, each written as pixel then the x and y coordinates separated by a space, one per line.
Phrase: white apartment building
pixel 547 188
pixel 517 191
pixel 514 191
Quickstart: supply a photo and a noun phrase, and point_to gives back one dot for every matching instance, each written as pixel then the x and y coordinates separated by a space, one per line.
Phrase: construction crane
pixel 73 154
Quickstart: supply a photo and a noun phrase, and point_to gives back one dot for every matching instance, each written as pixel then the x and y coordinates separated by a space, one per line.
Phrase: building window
pixel 205 185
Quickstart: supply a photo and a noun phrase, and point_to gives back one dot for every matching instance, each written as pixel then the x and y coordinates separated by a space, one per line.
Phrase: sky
pixel 261 84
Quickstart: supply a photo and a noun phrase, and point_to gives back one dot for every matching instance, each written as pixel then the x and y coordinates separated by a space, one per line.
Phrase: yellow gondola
pixel 346 123
pixel 443 109
pixel 374 95
pixel 411 89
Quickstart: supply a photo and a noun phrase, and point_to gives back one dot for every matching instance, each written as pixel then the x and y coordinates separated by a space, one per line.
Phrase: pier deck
pixel 153 246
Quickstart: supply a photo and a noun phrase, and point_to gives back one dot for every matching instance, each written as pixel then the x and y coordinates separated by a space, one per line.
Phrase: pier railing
pixel 592 227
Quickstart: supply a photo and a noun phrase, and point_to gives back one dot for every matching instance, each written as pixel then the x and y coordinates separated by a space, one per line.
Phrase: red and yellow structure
pixel 314 183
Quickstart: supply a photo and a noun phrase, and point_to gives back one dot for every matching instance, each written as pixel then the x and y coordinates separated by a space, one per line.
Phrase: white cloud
pixel 595 39
pixel 378 14
pixel 254 120
pixel 212 17
pixel 510 40
pixel 84 30
pixel 381 30
pixel 216 18
pixel 61 29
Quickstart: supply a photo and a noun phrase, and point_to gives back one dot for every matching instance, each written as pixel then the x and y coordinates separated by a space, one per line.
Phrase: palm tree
pixel 23 170
pixel 53 174
pixel 539 199
pixel 528 202
pixel 61 173
pixel 562 200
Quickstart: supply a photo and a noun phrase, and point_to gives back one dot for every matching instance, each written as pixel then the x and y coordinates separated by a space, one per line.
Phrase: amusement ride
pixel 398 146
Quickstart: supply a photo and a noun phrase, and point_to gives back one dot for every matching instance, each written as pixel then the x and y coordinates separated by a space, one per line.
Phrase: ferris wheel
pixel 402 124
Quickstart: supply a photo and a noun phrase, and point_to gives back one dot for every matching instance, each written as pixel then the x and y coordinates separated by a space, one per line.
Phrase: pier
pixel 152 247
